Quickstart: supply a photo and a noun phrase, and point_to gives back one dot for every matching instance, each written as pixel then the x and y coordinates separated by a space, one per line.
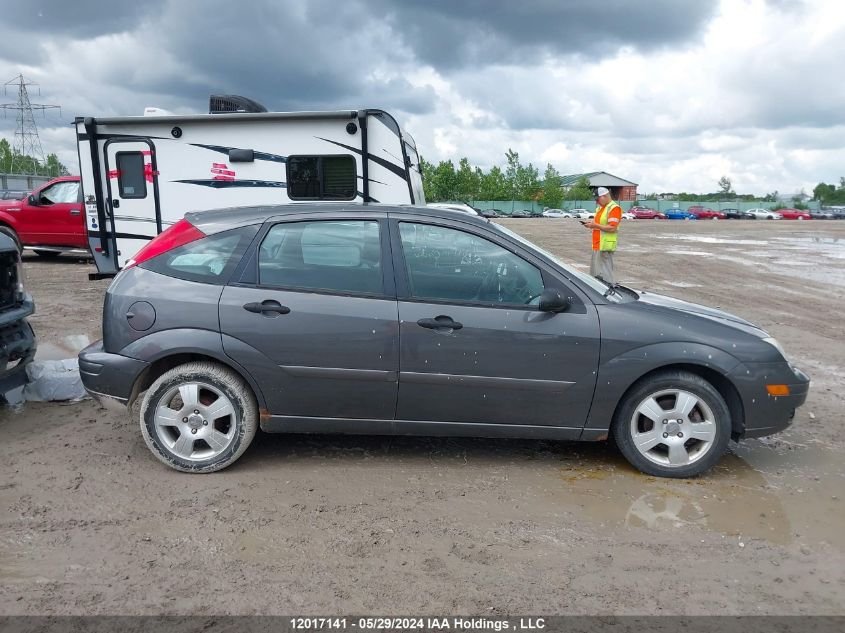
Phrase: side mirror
pixel 552 301
pixel 31 200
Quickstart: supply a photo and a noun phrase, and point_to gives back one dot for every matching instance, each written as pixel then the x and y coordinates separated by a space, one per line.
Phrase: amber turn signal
pixel 778 390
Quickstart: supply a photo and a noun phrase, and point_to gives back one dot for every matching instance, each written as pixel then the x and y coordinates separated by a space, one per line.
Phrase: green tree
pixel 55 167
pixel 552 188
pixel 581 190
pixel 5 156
pixel 512 172
pixel 28 164
pixel 466 181
pixel 725 186
pixel 445 181
pixel 494 185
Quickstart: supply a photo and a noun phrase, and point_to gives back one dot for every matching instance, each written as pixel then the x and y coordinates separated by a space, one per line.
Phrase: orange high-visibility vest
pixel 607 241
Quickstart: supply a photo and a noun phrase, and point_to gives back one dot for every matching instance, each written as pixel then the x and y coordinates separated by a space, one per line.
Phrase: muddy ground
pixel 92 523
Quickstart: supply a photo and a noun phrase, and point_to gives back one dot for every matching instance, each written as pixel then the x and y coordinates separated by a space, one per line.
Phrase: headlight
pixel 774 343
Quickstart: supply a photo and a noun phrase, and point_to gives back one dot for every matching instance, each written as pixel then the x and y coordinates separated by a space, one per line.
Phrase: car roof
pixel 218 220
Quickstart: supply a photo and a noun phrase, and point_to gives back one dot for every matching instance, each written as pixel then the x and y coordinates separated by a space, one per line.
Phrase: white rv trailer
pixel 141 174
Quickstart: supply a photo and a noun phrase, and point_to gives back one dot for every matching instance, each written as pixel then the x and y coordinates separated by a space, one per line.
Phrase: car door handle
pixel 75 212
pixel 266 307
pixel 441 322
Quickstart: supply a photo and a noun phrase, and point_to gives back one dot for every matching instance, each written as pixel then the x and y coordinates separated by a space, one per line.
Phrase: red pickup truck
pixel 49 220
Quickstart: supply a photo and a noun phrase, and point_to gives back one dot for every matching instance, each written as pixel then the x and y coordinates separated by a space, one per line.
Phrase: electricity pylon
pixel 27 144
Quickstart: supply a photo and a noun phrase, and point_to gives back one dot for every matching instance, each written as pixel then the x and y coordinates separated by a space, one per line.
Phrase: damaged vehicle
pixel 381 319
pixel 17 340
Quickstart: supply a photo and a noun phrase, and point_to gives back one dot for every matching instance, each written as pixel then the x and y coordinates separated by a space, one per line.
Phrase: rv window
pixel 130 175
pixel 321 178
pixel 335 256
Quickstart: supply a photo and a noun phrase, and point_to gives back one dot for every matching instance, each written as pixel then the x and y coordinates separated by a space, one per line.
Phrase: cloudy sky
pixel 671 94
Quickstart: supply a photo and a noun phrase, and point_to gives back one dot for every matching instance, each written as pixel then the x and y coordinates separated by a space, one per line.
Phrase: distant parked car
pixel 489 213
pixel 463 208
pixel 521 213
pixel 680 214
pixel 821 214
pixel 645 213
pixel 838 213
pixel 627 215
pixel 556 213
pixel 704 213
pixel 9 194
pixel 583 214
pixel 795 214
pixel 735 214
pixel 763 214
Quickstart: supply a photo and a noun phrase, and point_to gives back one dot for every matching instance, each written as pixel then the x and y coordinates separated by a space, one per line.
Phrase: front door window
pixel 446 264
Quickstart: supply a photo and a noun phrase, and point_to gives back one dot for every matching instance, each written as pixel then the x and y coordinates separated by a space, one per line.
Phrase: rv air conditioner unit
pixel 221 104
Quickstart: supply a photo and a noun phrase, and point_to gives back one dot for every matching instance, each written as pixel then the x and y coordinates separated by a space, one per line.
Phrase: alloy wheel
pixel 195 421
pixel 673 427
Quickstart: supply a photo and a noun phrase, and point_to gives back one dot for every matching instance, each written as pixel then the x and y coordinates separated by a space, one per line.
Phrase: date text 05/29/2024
pixel 419 623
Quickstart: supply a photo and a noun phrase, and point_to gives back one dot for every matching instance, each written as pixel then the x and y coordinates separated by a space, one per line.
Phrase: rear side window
pixel 321 178
pixel 208 260
pixel 131 181
pixel 337 256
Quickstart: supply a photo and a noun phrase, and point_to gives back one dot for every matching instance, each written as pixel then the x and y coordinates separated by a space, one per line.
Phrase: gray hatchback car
pixel 332 318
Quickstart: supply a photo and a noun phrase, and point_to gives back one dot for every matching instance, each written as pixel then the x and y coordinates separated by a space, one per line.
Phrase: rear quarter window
pixel 208 260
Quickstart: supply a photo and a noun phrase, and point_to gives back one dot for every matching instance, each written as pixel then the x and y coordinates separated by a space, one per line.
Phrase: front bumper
pixel 109 378
pixel 17 345
pixel 765 414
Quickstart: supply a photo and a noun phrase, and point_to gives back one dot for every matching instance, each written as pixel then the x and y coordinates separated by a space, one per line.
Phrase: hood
pixel 5 204
pixel 663 301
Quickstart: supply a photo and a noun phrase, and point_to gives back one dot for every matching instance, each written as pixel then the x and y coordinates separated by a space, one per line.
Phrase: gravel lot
pixel 92 523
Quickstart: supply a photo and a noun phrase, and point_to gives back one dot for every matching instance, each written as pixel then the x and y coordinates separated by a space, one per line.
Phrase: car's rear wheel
pixel 199 417
pixel 673 424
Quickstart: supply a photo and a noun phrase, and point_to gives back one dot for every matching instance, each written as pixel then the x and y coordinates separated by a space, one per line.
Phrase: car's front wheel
pixel 199 417
pixel 673 424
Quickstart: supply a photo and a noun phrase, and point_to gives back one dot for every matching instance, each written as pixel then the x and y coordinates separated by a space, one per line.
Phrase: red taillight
pixel 176 235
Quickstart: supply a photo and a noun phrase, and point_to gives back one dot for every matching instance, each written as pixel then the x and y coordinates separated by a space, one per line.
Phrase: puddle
pixel 680 284
pixel 710 240
pixel 779 493
pixel 697 253
pixel 813 240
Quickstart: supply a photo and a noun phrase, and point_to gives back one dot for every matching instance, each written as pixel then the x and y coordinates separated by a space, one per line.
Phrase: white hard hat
pixel 602 191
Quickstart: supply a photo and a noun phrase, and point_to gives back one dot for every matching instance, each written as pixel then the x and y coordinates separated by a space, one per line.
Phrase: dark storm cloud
pixel 450 34
pixel 282 55
pixel 317 54
pixel 78 18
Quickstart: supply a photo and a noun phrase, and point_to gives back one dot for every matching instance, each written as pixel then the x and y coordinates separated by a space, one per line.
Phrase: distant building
pixel 620 189
pixel 799 196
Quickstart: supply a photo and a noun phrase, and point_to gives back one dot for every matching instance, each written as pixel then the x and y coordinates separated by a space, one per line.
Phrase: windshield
pixel 592 282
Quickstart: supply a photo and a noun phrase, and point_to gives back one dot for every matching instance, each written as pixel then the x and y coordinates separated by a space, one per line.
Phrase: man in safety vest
pixel 605 227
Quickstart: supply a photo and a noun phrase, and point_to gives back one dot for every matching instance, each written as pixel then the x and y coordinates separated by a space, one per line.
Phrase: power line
pixel 27 153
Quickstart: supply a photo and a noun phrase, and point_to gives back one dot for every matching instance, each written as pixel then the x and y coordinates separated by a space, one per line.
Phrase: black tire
pixel 6 230
pixel 47 254
pixel 222 379
pixel 666 381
